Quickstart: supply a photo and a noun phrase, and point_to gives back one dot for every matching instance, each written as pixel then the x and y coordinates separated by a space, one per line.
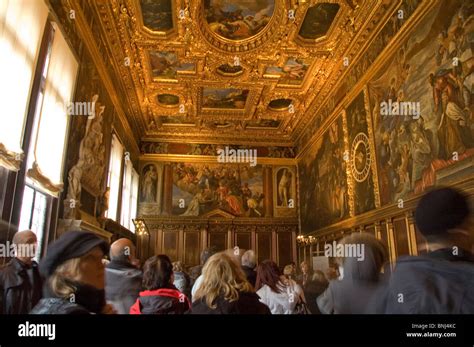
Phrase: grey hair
pixel 248 259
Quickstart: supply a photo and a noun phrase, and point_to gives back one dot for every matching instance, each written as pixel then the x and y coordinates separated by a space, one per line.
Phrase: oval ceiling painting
pixel 239 19
pixel 168 99
pixel 280 104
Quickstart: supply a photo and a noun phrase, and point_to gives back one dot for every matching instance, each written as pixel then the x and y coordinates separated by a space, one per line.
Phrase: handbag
pixel 301 307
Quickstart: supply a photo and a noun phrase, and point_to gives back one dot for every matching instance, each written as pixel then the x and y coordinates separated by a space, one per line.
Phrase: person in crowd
pixel 74 276
pixel 248 265
pixel 123 281
pixel 305 276
pixel 315 288
pixel 361 276
pixel 160 295
pixel 442 280
pixel 294 270
pixel 289 272
pixel 20 281
pixel 332 273
pixel 182 282
pixel 280 294
pixel 196 280
pixel 225 289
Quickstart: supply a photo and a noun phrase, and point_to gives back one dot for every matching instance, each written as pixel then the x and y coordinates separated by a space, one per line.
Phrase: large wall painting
pixel 201 188
pixel 360 156
pixel 433 71
pixel 323 181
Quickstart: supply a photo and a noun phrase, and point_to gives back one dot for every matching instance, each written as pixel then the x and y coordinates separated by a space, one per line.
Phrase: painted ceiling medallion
pixel 238 25
pixel 318 20
pixel 169 100
pixel 157 15
pixel 279 104
pixel 224 98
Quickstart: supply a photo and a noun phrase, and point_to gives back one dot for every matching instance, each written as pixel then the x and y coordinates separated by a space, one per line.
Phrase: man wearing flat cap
pixel 442 280
pixel 74 275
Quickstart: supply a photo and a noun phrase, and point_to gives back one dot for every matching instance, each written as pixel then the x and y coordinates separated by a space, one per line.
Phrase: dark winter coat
pixel 434 283
pixel 123 283
pixel 58 306
pixel 251 275
pixel 20 287
pixel 248 303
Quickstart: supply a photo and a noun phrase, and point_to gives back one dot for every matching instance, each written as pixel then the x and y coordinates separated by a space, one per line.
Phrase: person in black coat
pixel 315 288
pixel 361 276
pixel 20 281
pixel 160 295
pixel 248 265
pixel 123 281
pixel 442 280
pixel 225 289
pixel 74 276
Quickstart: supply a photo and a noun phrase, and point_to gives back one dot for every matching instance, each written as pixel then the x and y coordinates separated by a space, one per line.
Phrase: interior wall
pixel 365 170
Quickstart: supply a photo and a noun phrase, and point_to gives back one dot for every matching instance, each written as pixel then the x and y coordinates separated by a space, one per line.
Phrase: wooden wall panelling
pixel 192 248
pixel 401 236
pixel 264 246
pixel 243 240
pixel 285 248
pixel 410 224
pixel 218 240
pixel 170 244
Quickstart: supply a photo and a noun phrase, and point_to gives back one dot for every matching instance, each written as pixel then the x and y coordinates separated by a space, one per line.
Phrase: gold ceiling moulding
pixel 211 159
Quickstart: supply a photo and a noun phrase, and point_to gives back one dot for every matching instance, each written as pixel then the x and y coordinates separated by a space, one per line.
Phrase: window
pixel 48 135
pixel 22 23
pixel 113 182
pixel 129 196
pixel 126 193
pixel 34 211
pixel 51 120
pixel 134 198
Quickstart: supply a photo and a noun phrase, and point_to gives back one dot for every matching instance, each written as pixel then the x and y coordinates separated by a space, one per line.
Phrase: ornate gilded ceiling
pixel 221 71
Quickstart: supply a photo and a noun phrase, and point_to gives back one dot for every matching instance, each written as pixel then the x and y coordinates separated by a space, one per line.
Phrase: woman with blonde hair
pixel 225 289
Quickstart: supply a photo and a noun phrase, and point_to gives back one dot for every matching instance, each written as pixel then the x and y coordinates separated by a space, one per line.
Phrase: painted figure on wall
pixel 433 69
pixel 284 187
pixel 149 184
pixel 198 189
